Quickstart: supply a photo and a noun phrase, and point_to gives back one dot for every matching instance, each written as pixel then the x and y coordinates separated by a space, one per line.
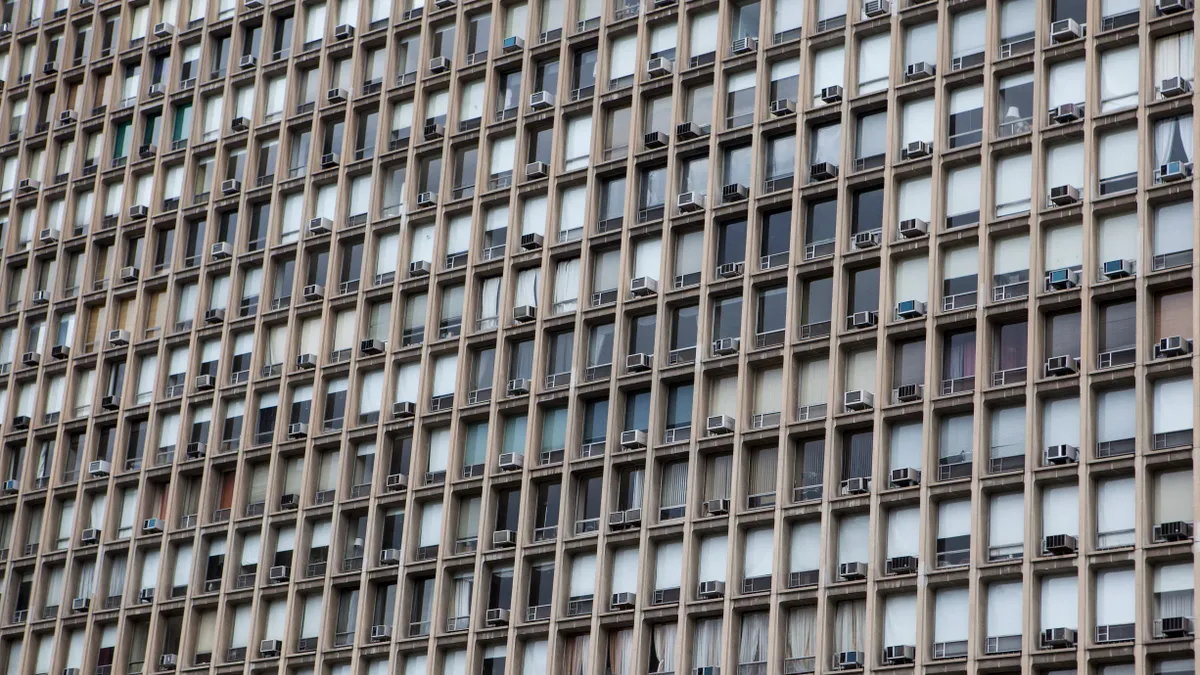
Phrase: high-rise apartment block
pixel 579 337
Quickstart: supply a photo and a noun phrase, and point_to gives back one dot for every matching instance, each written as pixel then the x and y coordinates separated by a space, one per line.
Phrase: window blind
pixel 1119 78
pixel 951 615
pixel 583 576
pixel 1067 83
pixel 804 552
pixel 1012 181
pixel 431 524
pixel 533 215
pixel 915 196
pixel 1173 497
pixel 757 553
pixel 572 208
pixel 852 539
pixel 1173 56
pixel 920 45
pixel 712 558
pixel 860 371
pixel 814 382
pixel 962 191
pixel 1006 523
pixel 905 445
pixel 828 66
pixel 703 34
pixel 903 532
pixel 1115 506
pixel 668 565
pixel 445 373
pixel 1004 610
pixel 874 63
pixel 1064 246
pixel 968 32
pixel 1060 422
pixel 1172 228
pixel 1060 602
pixel 1118 153
pixel 900 619
pixel 503 153
pixel 912 279
pixel 1172 405
pixel 1115 416
pixel 1115 597
pixel 954 518
pixel 1119 237
pixel 625 570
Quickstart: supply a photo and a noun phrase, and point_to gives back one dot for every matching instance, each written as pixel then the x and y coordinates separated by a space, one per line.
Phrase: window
pixel 1171 238
pixel 874 54
pixel 1118 161
pixel 869 144
pixel 828 66
pixel 962 196
pixel 1173 497
pixel 1173 59
pixel 739 102
pixel 1007 439
pixel 955 446
pixel 966 116
pixel 1118 78
pixel 1174 590
pixel 1115 510
pixel 1017 19
pixel 1006 518
pixel 1172 422
pixel 1115 605
pixel 1172 147
pixel 950 623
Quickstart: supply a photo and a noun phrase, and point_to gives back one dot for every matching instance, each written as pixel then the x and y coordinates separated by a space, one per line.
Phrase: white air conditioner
pixel 231 186
pixel 297 430
pixel 1062 278
pixel 204 382
pixel 858 400
pixel 912 228
pixel 716 507
pixel 524 313
pixel 639 363
pixel 730 270
pixel 734 192
pixel 916 149
pixel 1174 86
pixel 832 93
pixel 403 409
pixel 655 139
pixel 919 71
pixel 910 309
pixel 745 45
pixel 99 468
pixel 163 30
pixel 719 424
pixel 531 241
pixel 658 66
pixel 633 439
pixel 643 286
pixel 313 292
pixel 89 537
pixel 848 661
pixel 896 655
pixel 221 251
pixel 782 107
pixel 1061 365
pixel 504 539
pixel 905 477
pixel 863 319
pixel 426 199
pixel 1058 638
pixel 536 170
pixel 496 616
pixel 541 100
pixel 726 346
pixel 270 647
pixel 1067 112
pixel 319 226
pixel 343 31
pixel 823 171
pixel 690 202
pixel 1117 269
pixel 118 338
pixel 81 604
pixel 439 64
pixel 513 43
pixel 875 8
pixel 622 601
pixel 865 240
pixel 710 589
pixel 1174 345
pixel 511 461
pixel 48 236
pixel 1065 30
pixel 1064 195
pixel 306 361
pixel 1173 6
pixel 518 386
pixel 152 525
pixel 859 485
pixel 850 571
pixel 1061 454
pixel 248 61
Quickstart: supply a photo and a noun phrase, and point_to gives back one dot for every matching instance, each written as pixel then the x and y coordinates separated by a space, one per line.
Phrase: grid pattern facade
pixel 567 337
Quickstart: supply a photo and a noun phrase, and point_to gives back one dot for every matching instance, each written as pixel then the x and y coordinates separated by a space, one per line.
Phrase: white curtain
pixel 849 624
pixel 900 619
pixel 1118 78
pixel 968 33
pixel 577 655
pixel 662 647
pixel 1118 153
pixel 801 633
pixel 752 643
pixel 805 550
pixel 852 539
pixel 1173 496
pixel 706 645
pixel 951 615
pixel 903 530
pixel 674 485
pixel 1060 510
pixel 620 652
pixel 1115 510
pixel 1174 590
pixel 1004 609
pixel 1115 601
pixel 1173 57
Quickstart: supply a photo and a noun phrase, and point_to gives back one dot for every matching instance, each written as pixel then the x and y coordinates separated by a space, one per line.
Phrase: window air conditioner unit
pixel 152 525
pixel 432 130
pixel 504 539
pixel 496 616
pixel 419 268
pixel 719 424
pixel 858 400
pixel 1173 171
pixel 1061 454
pixel 439 64
pixel 231 186
pixel 1175 86
pixel 27 185
pixel 1175 626
pixel 896 655
pixel 110 402
pixel 517 386
pixel 99 468
pixel 716 507
pixel 735 192
pixel 1118 269
pixel 60 351
pixel 146 595
pixel 396 482
pixel 336 95
pixel 81 604
pixel 654 139
pixel 195 450
pixel 513 44
pixel 874 8
pixel 511 461
pixel 128 274
pixel 403 409
pixel 50 67
pixel 204 382
pixel 138 211
pixel 118 338
pixel 1063 278
pixel 426 199
pixel 313 292
pixel 905 477
pixel 306 361
pixel 906 564
pixel 536 170
pixel 823 171
pixel 1173 6
pixel 163 30
pixel 865 240
pixel 852 571
pixel 658 66
pixel 221 251
pixel 319 225
pixel 343 32
pixel 832 93
pixel 691 202
pixel 622 601
pixel 381 632
pixel 639 363
pixel 642 287
pixel 524 314
pixel 919 71
pixel 30 359
pixel 633 439
pixel 1064 195
pixel 710 589
pixel 916 149
pixel 746 45
pixel 783 107
pixel 531 241
pixel 89 537
pixel 1173 346
pixel 270 647
pixel 856 486
pixel 1060 365
pixel 297 430
pixel 289 501
pixel 730 270
pixel 726 346
pixel 1065 30
pixel 248 61
pixel 1067 112
pixel 912 228
pixel 372 346
pixel 1177 530
pixel 67 117
pixel 910 392
pixel 541 100
pixel 688 130
pixel 910 309
pixel 1058 638
pixel 848 661
pixel 863 319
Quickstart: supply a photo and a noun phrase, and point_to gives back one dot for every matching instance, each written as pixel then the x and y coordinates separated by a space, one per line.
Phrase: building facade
pixel 561 337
